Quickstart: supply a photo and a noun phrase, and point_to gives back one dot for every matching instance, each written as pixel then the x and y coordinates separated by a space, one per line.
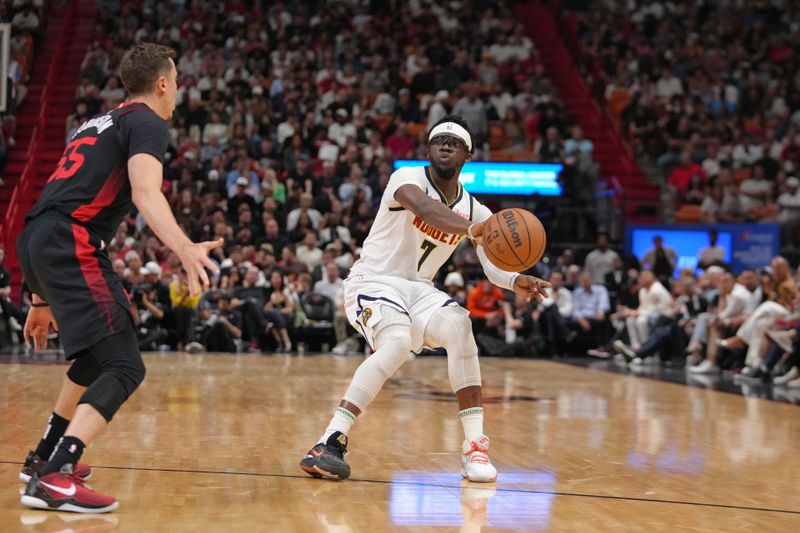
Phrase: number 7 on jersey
pixel 426 247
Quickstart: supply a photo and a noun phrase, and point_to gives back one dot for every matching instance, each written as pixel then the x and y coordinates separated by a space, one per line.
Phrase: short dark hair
pixel 143 64
pixel 456 120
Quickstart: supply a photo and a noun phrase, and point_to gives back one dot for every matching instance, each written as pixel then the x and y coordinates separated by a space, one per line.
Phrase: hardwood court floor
pixel 211 443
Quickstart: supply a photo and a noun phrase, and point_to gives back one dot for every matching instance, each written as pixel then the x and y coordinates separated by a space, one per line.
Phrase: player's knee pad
pixel 392 349
pixel 121 372
pixel 84 369
pixel 392 341
pixel 452 328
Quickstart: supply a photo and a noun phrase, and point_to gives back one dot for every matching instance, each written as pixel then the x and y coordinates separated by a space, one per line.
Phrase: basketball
pixel 514 239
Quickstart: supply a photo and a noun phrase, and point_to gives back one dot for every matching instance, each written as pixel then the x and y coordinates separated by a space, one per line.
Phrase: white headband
pixel 454 129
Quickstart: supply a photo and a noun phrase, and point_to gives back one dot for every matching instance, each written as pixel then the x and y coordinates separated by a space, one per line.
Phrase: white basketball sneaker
pixel 475 463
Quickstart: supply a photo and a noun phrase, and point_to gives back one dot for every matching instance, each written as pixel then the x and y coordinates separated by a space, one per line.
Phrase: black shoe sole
pixel 314 469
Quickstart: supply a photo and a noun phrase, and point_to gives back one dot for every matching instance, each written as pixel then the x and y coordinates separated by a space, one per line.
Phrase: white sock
pixel 342 421
pixel 472 420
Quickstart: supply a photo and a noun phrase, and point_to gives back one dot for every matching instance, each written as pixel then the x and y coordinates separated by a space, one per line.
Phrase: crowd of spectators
pixel 26 18
pixel 289 118
pixel 645 311
pixel 284 138
pixel 710 91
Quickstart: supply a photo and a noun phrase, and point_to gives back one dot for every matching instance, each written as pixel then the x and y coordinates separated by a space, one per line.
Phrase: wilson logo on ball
pixel 514 239
pixel 512 224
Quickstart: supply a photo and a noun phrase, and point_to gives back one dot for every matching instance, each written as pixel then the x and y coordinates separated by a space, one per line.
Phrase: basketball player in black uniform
pixel 112 161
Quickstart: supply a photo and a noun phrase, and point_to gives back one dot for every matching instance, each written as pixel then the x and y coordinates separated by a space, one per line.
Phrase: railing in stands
pixel 571 39
pixel 22 196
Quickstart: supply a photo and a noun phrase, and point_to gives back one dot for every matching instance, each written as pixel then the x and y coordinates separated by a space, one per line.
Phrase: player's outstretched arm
pixel 146 174
pixel 435 213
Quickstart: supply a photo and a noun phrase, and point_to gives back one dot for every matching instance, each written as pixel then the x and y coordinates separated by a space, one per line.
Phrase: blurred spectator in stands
pixel 281 300
pixel 732 303
pixel 713 161
pixel 342 128
pixel 754 192
pixel 579 149
pixel 550 148
pixel 789 216
pixel 289 262
pixel 332 226
pixel 520 327
pixel 472 109
pixel 331 284
pixel 354 185
pixel 407 107
pixel 273 237
pixel 305 208
pixel 308 252
pixel 183 313
pixel 215 127
pixel 26 19
pixel 484 305
pixel 240 198
pixel 454 285
pixel 515 132
pixel 668 85
pixel 221 326
pixel 500 102
pixel 251 182
pixel 9 313
pixel 681 176
pixel 654 301
pixel 713 254
pixel 590 307
pixel 400 143
pixel 661 260
pixel 553 314
pixel 695 191
pixel 601 260
pixel 113 93
pixel 617 281
pixel 148 317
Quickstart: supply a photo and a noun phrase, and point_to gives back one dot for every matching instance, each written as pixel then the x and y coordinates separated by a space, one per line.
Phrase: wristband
pixel 41 304
pixel 469 232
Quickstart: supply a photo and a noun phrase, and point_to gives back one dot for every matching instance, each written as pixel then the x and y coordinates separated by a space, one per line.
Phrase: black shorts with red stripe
pixel 66 264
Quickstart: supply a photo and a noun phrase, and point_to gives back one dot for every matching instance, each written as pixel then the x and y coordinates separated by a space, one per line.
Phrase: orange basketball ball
pixel 514 239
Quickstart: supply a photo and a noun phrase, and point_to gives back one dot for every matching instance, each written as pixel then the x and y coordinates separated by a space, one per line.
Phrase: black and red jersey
pixel 90 183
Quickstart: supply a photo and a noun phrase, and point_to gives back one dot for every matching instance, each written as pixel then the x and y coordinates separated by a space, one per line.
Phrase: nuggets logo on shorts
pixel 366 315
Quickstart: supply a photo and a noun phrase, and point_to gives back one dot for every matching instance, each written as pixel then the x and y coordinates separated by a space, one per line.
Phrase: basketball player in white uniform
pixel 390 298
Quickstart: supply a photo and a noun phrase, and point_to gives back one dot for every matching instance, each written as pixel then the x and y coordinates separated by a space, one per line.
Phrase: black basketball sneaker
pixel 327 460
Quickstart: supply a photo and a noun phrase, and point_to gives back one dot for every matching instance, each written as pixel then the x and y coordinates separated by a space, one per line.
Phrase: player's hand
pixel 475 232
pixel 194 258
pixel 37 326
pixel 530 287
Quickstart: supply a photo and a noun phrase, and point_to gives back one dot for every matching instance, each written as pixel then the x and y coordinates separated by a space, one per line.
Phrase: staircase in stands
pixel 639 199
pixel 41 119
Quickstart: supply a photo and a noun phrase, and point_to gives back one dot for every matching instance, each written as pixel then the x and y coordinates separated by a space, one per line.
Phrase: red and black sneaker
pixel 64 491
pixel 327 460
pixel 34 464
